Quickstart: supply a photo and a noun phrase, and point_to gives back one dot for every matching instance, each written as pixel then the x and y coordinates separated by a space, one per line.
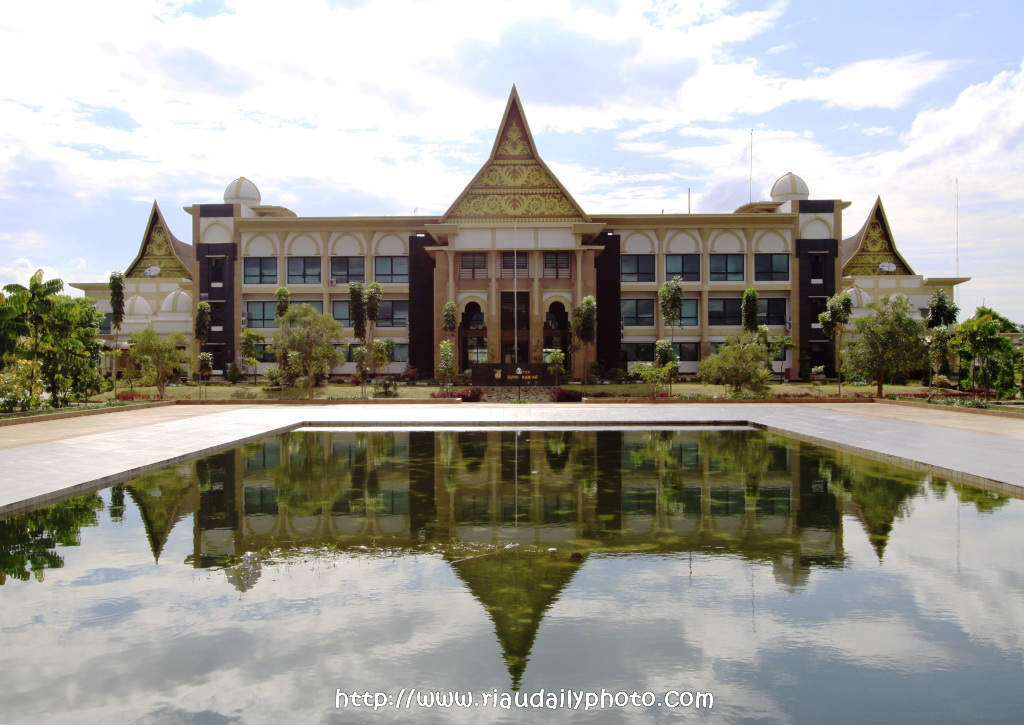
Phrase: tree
pixel 116 286
pixel 247 349
pixel 670 302
pixel 202 324
pixel 204 365
pixel 12 325
pixel 284 298
pixel 382 354
pixel 556 364
pixel 978 340
pixel 307 337
pixel 446 366
pixel 37 300
pixel 665 358
pixel 833 321
pixel 357 310
pixel 942 312
pixel 449 319
pixel 743 362
pixel 166 355
pixel 69 353
pixel 749 310
pixel 584 330
pixel 886 342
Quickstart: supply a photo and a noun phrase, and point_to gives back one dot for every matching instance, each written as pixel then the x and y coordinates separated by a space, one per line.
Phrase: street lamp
pixel 519 376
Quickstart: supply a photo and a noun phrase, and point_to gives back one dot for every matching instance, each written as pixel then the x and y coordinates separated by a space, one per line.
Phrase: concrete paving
pixel 50 460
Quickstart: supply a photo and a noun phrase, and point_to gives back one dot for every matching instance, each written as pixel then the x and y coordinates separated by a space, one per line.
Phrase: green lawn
pixel 228 392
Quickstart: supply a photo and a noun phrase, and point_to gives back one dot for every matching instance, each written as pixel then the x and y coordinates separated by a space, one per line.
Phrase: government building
pixel 516 253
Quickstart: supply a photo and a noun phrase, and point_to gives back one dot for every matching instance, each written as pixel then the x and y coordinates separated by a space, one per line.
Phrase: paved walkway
pixel 48 460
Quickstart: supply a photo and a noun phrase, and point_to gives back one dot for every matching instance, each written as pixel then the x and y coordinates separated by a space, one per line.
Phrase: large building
pixel 516 253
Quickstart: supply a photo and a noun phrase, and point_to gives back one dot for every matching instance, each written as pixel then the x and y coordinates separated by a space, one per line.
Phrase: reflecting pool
pixel 301 578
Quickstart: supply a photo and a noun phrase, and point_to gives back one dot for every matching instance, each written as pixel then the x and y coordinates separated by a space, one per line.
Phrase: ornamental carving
pixel 516 175
pixel 876 248
pixel 157 252
pixel 513 144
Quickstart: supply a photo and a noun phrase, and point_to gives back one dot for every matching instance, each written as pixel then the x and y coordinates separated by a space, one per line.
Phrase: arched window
pixel 473 317
pixel 556 317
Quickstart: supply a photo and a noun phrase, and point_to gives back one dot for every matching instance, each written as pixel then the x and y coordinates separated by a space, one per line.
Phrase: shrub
pixel 468 395
pixel 134 396
pixel 234 374
pixel 558 395
pixel 385 388
pixel 410 374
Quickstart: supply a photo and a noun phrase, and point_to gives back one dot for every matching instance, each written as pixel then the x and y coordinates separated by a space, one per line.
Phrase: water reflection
pixel 698 556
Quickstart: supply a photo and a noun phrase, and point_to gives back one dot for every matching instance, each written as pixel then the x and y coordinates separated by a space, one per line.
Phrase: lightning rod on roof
pixel 750 182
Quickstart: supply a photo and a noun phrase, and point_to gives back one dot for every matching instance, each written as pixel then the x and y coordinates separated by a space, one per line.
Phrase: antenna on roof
pixel 750 183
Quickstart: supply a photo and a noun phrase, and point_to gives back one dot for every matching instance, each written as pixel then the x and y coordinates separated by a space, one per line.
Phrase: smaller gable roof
pixel 160 248
pixel 872 245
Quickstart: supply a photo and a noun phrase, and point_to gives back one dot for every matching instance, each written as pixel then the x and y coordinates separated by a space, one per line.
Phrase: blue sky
pixel 368 107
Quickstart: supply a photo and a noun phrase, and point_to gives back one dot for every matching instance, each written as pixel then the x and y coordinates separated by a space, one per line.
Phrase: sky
pixel 379 107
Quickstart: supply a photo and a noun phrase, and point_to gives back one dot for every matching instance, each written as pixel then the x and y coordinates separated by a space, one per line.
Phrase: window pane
pixel 261 314
pixel 340 312
pixel 260 270
pixel 345 270
pixel 304 270
pixel 726 267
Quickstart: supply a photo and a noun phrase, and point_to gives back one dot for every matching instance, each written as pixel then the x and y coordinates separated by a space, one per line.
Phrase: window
pixel 637 268
pixel 637 313
pixel 263 352
pixel 317 305
pixel 725 311
pixel 473 265
pixel 348 269
pixel 350 353
pixel 688 316
pixel 771 311
pixel 556 265
pixel 106 322
pixel 260 270
pixel 393 313
pixel 402 352
pixel 726 267
pixel 687 351
pixel 638 352
pixel 817 266
pixel 684 266
pixel 771 267
pixel 476 349
pixel 391 269
pixel 261 314
pixel 515 264
pixel 216 270
pixel 340 312
pixel 304 270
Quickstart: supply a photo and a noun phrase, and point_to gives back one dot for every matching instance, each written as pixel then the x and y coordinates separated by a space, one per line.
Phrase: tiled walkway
pixel 48 460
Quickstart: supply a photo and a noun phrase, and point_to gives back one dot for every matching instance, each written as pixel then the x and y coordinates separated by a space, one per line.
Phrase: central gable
pixel 514 185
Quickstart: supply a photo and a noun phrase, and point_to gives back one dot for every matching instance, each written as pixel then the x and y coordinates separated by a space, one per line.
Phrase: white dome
pixel 789 187
pixel 177 301
pixel 136 306
pixel 242 191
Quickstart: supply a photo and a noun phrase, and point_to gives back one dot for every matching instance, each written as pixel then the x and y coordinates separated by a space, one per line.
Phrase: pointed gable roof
pixel 161 249
pixel 516 588
pixel 514 184
pixel 861 254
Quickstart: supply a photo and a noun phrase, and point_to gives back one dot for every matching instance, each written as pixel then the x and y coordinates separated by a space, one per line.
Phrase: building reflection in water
pixel 738 492
pixel 514 513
